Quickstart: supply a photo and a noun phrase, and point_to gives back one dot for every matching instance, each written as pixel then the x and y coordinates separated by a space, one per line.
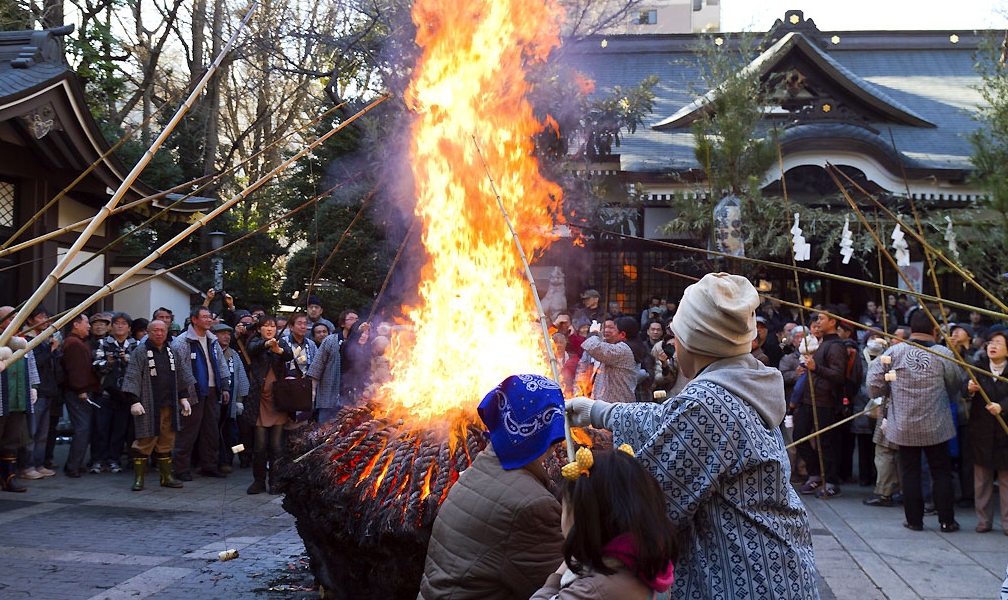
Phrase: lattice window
pixel 7 190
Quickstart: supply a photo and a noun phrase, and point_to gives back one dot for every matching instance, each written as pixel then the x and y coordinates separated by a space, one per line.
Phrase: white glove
pixel 595 327
pixel 186 408
pixel 5 353
pixel 239 407
pixel 137 409
pixel 17 343
pixel 883 426
pixel 33 394
pixel 579 411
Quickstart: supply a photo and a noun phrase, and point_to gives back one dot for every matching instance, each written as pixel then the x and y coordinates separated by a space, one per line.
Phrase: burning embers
pixel 366 499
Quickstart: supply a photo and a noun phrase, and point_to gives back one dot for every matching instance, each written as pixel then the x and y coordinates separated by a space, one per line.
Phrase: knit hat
pixel 717 316
pixel 524 416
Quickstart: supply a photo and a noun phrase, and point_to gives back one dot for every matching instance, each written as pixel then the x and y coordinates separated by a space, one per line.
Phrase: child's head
pixel 617 497
pixel 524 415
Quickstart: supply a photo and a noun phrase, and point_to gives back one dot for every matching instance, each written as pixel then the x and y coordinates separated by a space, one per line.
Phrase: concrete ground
pixel 94 539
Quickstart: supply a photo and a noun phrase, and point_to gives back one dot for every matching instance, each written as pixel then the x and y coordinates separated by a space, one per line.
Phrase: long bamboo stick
pixel 38 214
pixel 803 270
pixel 794 264
pixel 924 243
pixel 110 287
pixel 568 438
pixel 53 278
pixel 928 253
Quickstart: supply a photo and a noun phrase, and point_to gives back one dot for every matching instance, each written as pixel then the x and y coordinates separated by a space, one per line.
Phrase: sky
pixel 845 15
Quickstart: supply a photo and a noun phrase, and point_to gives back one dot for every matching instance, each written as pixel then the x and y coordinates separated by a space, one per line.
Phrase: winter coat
pixel 263 361
pixel 988 439
pixel 183 345
pixel 46 361
pixel 325 369
pixel 717 452
pixel 15 396
pixel 926 379
pixel 239 380
pixel 829 374
pixel 496 536
pixel 136 385
pixel 76 360
pixel 616 378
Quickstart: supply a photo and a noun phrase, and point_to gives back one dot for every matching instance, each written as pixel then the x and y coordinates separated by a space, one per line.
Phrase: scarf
pixel 623 548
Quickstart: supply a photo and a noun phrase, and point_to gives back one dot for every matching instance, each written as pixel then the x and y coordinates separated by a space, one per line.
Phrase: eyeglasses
pixel 995 343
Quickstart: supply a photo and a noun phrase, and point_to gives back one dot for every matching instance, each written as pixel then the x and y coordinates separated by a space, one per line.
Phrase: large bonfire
pixel 365 498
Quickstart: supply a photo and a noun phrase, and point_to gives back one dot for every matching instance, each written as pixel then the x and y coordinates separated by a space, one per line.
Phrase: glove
pixel 239 407
pixel 595 327
pixel 5 353
pixel 33 394
pixel 579 411
pixel 137 409
pixel 885 422
pixel 186 408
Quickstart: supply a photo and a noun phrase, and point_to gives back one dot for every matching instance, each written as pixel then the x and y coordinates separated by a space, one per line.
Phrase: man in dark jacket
pixel 497 534
pixel 827 372
pixel 80 387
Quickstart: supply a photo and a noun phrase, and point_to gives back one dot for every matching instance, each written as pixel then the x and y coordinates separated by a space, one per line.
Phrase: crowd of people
pixel 183 397
pixel 703 396
pixel 927 437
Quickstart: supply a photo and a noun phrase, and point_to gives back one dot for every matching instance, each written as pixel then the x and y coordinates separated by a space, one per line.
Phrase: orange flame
pixel 471 328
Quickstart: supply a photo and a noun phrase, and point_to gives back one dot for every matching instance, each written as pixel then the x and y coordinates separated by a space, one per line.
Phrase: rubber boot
pixel 164 463
pixel 8 470
pixel 259 473
pixel 139 473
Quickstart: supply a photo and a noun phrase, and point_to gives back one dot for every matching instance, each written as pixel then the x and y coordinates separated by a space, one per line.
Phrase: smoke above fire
pixel 471 139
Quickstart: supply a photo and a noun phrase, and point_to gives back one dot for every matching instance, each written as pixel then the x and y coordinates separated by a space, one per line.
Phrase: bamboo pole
pixel 794 263
pixel 803 270
pixel 535 296
pixel 73 184
pixel 924 243
pixel 53 278
pixel 928 253
pixel 110 287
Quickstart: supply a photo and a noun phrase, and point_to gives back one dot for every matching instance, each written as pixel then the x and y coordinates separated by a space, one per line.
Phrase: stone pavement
pixel 865 552
pixel 94 539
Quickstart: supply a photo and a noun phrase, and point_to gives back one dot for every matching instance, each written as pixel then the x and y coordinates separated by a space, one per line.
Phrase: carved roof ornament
pixel 794 20
pixel 41 121
pixel 43 46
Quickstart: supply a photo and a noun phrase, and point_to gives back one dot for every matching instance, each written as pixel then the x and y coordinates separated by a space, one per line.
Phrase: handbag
pixel 292 394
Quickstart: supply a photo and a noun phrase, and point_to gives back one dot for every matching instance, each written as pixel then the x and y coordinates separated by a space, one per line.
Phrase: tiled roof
pixel 922 74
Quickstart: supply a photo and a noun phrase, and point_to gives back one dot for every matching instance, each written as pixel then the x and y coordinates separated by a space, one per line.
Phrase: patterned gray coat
pixel 920 412
pixel 137 387
pixel 719 458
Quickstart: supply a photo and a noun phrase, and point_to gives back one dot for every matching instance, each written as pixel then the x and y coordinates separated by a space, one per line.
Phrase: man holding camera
pixel 207 375
pixel 112 419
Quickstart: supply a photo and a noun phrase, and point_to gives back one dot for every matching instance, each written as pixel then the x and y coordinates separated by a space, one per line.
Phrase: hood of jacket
pixel 756 384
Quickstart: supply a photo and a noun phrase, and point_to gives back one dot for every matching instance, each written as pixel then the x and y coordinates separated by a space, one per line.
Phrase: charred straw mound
pixel 365 500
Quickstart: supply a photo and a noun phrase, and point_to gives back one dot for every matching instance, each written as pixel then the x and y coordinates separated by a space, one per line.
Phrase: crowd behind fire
pixel 141 392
